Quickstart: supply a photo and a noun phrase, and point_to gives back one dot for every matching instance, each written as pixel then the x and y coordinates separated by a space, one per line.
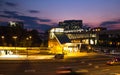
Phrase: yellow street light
pixel 28 39
pixel 15 38
pixel 3 37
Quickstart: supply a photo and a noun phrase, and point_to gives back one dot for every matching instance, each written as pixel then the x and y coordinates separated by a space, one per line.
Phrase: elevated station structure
pixel 72 36
pixel 60 43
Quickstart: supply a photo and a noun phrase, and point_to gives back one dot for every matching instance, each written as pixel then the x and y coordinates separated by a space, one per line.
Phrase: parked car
pixel 59 56
pixel 114 61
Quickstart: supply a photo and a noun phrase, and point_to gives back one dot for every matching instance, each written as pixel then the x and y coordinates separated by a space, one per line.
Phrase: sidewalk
pixel 81 54
pixel 40 57
pixel 24 57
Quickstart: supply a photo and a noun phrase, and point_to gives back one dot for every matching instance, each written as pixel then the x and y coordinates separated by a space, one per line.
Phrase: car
pixel 114 61
pixel 65 71
pixel 59 56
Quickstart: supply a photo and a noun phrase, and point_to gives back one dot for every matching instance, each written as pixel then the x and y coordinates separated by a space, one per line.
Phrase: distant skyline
pixel 44 14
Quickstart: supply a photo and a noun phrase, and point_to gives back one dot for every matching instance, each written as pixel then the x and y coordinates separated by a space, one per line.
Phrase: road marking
pixel 90 64
pixel 115 73
pixel 82 62
pixel 106 70
pixel 96 66
pixel 30 70
pixel 82 71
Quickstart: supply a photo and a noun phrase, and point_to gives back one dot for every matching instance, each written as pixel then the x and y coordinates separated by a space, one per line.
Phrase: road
pixel 90 65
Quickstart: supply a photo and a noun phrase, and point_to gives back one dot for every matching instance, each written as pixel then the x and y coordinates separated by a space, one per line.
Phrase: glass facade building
pixel 71 25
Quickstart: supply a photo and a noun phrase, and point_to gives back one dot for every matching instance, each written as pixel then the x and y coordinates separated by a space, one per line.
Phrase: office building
pixel 16 24
pixel 71 25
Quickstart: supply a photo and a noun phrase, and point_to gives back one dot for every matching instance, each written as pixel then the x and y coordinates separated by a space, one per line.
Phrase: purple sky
pixel 44 14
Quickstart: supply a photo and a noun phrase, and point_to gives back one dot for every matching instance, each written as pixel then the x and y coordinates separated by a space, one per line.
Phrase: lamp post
pixel 3 39
pixel 28 39
pixel 27 45
pixel 15 38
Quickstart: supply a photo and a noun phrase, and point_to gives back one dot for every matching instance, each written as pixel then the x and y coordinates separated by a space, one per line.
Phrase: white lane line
pixel 115 73
pixel 90 64
pixel 82 62
pixel 82 71
pixel 106 70
pixel 96 66
pixel 29 70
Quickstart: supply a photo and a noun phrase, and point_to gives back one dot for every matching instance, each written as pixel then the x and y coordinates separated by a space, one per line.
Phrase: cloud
pixel 1 4
pixel 33 11
pixel 45 20
pixel 10 4
pixel 55 24
pixel 6 5
pixel 3 23
pixel 29 21
pixel 5 16
pixel 107 23
pixel 112 24
pixel 11 13
pixel 16 15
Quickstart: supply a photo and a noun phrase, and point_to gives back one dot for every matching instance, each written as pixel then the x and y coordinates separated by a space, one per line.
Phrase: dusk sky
pixel 44 14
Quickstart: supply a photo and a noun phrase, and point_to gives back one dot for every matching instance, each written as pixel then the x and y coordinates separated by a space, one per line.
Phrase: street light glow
pixel 14 37
pixel 2 37
pixel 9 56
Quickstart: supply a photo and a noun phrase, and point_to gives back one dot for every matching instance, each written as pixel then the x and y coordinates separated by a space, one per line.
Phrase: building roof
pixel 62 38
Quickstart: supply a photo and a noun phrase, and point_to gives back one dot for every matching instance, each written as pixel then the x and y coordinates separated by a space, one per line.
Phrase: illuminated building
pixel 71 25
pixel 98 29
pixel 69 37
pixel 80 37
pixel 109 38
pixel 16 24
pixel 60 43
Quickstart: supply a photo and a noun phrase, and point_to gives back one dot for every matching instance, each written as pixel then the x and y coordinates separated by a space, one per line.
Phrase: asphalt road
pixel 89 65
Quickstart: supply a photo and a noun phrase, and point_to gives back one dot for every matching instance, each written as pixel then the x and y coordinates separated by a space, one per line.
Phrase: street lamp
pixel 27 46
pixel 28 39
pixel 3 39
pixel 15 38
